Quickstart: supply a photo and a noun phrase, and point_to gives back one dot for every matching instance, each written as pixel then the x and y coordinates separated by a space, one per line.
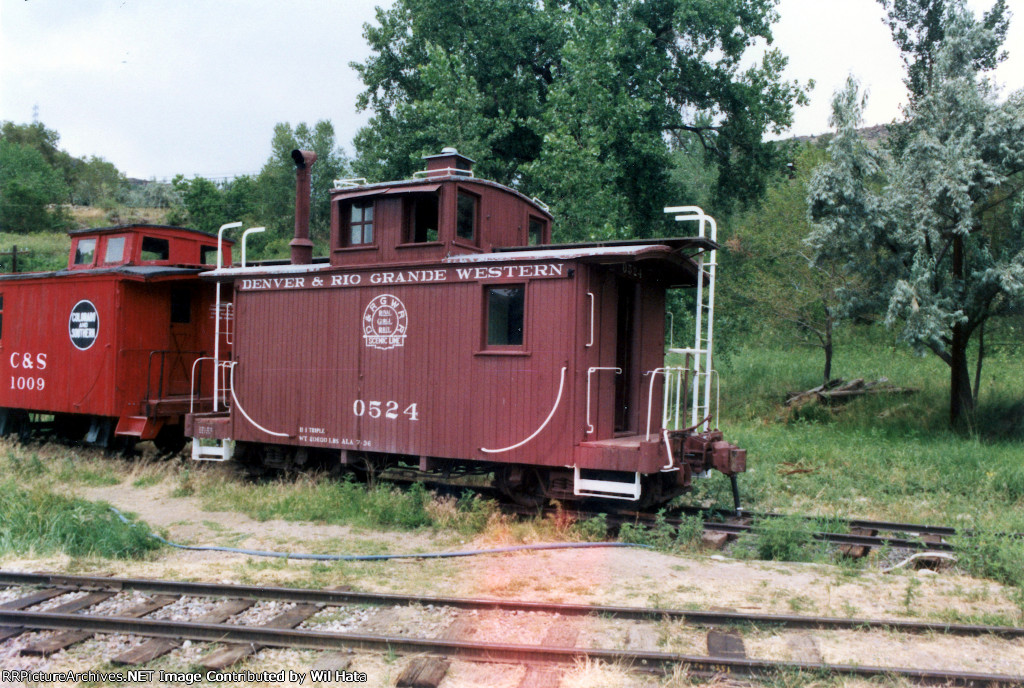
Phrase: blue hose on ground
pixel 381 557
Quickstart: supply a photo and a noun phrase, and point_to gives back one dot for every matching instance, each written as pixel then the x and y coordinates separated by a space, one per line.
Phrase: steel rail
pixel 341 597
pixel 491 652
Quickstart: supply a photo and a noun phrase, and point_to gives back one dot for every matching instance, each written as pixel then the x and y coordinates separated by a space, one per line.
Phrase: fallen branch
pixel 838 390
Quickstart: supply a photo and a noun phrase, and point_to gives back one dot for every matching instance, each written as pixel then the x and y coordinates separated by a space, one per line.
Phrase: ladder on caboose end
pixel 704 315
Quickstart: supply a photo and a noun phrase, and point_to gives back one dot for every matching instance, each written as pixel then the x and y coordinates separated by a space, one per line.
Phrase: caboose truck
pixel 106 346
pixel 446 331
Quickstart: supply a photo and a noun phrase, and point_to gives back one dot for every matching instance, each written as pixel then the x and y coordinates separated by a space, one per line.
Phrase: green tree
pixel 931 226
pixel 98 182
pixel 204 204
pixel 781 285
pixel 578 102
pixel 31 191
pixel 918 28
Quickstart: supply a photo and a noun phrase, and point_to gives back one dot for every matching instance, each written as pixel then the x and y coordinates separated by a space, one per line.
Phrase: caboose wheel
pixel 524 485
pixel 170 440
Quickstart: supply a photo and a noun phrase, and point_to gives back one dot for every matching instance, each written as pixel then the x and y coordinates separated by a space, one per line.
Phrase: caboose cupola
pixel 442 211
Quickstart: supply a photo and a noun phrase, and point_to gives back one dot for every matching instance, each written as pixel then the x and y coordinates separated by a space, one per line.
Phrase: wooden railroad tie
pixel 562 633
pixel 63 639
pixel 428 672
pixel 857 551
pixel 65 608
pixel 157 647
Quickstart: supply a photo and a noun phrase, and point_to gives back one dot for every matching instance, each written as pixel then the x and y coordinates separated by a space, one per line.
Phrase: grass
pixel 37 520
pixel 325 500
pixel 883 457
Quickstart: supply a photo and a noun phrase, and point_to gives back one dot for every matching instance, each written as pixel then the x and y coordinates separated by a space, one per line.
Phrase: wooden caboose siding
pixel 36 313
pixel 307 346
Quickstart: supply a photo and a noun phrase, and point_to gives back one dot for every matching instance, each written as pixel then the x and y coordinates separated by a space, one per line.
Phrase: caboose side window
pixel 465 226
pixel 115 250
pixel 360 223
pixel 505 315
pixel 85 251
pixel 536 231
pixel 155 249
pixel 208 255
pixel 421 213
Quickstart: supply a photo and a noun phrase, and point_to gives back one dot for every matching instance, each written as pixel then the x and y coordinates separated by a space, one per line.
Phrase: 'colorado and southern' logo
pixel 83 325
pixel 385 321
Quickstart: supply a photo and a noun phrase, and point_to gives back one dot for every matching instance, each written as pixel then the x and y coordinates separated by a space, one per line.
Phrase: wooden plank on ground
pixel 643 638
pixel 428 672
pixel 234 652
pixel 560 634
pixel 157 647
pixel 333 661
pixel 726 645
pixel 805 648
pixel 65 608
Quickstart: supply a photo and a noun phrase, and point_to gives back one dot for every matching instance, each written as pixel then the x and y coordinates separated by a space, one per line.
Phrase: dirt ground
pixel 614 576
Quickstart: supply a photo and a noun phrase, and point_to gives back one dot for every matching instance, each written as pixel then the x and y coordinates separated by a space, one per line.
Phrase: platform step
pixel 221 451
pixel 610 489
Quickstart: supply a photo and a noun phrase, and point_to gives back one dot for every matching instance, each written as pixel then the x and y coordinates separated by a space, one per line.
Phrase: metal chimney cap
pixel 452 150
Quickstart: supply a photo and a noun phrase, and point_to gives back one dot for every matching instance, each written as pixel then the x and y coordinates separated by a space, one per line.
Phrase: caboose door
pixel 183 342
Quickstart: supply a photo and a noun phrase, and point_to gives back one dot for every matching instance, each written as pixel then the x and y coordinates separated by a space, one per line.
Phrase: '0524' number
pixel 387 409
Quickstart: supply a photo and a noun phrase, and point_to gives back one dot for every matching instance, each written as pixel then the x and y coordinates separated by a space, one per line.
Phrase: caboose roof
pixel 142 227
pixel 665 257
pixel 428 183
pixel 137 272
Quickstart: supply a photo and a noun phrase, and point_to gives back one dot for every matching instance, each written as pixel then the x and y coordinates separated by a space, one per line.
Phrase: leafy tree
pixel 30 191
pixel 97 182
pixel 782 285
pixel 918 28
pixel 203 204
pixel 578 102
pixel 931 225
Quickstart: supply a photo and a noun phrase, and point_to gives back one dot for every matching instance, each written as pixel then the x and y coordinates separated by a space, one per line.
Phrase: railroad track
pixel 862 533
pixel 74 623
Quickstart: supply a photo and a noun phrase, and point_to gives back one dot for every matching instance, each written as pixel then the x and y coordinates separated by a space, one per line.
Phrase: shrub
pixel 41 521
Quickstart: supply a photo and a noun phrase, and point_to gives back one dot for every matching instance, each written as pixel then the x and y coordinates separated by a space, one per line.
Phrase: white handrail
pixel 650 397
pixel 558 400
pixel 590 343
pixel 245 235
pixel 618 371
pixel 216 327
pixel 241 410
pixel 192 394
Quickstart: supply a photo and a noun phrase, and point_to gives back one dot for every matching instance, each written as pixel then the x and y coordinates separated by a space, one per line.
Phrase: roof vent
pixel 448 161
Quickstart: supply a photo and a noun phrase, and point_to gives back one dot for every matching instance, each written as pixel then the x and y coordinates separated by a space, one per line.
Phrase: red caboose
pixel 107 346
pixel 447 332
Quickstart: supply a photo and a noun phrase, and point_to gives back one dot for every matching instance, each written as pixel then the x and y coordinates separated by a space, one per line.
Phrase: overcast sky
pixel 161 87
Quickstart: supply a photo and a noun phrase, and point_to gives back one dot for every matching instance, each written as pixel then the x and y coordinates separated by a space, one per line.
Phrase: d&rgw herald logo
pixel 385 321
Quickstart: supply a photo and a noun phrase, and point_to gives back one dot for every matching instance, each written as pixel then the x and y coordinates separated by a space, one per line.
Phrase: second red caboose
pixel 105 348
